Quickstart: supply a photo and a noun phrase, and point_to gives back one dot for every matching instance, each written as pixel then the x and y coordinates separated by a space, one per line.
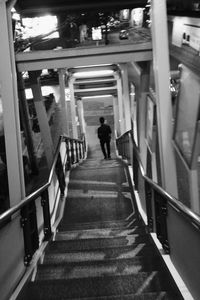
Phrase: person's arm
pixel 109 131
pixel 99 133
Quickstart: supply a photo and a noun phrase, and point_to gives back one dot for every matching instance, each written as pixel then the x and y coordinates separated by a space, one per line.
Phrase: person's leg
pixel 102 143
pixel 108 148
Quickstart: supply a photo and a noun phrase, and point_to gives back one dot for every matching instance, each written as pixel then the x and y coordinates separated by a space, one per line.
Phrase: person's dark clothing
pixel 104 135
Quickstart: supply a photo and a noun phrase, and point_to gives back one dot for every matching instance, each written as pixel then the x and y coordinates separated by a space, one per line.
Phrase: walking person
pixel 104 135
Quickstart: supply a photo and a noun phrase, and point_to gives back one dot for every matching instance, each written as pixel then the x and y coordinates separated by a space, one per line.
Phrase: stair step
pixel 144 296
pixel 107 286
pixel 97 243
pixel 98 233
pixel 111 224
pixel 86 186
pixel 96 208
pixel 109 172
pixel 163 295
pixel 100 254
pixel 99 268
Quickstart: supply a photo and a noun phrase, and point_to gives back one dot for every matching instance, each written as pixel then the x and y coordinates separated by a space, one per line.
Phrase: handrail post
pixel 72 151
pixel 46 215
pixel 161 220
pixel 148 197
pixel 68 146
pixel 84 146
pixel 135 169
pixel 60 175
pixel 30 230
pixel 76 150
pixel 80 152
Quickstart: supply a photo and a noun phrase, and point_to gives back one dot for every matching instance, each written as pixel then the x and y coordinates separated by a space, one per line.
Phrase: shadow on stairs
pixel 102 249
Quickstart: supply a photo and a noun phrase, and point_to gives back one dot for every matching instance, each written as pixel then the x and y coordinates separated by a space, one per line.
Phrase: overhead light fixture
pixel 97 96
pixel 88 74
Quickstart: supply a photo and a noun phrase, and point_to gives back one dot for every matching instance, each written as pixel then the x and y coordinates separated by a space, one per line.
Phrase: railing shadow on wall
pixel 176 226
pixel 36 222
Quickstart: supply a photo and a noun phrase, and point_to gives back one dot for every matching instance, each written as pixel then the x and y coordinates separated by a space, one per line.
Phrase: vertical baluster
pixel 72 151
pixel 60 174
pixel 68 146
pixel 76 151
pixel 161 220
pixel 148 197
pixel 135 169
pixel 80 150
pixel 46 215
pixel 30 231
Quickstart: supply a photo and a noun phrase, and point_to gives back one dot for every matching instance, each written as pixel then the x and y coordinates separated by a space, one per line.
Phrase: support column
pixel 120 105
pixel 116 115
pixel 81 116
pixel 11 122
pixel 73 109
pixel 65 126
pixel 42 116
pixel 162 75
pixel 126 100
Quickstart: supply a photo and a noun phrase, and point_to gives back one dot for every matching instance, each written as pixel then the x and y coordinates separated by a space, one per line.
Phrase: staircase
pixel 102 249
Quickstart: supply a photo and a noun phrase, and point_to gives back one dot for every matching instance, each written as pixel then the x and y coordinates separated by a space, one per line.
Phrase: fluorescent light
pixel 88 74
pixel 97 96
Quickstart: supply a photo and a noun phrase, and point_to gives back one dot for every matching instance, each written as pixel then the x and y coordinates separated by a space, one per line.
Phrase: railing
pixel 69 151
pixel 156 200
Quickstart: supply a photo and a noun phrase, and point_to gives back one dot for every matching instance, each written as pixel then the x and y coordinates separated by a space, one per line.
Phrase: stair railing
pixel 154 199
pixel 64 158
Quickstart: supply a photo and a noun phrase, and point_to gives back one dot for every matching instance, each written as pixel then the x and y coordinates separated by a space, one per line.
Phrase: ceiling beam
pixel 69 58
pixel 94 80
pixel 96 93
pixel 37 7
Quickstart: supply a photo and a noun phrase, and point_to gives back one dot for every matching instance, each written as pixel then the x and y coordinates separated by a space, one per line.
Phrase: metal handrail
pixel 8 214
pixel 187 212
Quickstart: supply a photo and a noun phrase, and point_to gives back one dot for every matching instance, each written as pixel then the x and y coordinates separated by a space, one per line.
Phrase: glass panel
pixel 51 96
pixel 150 121
pixel 34 159
pixel 4 191
pixel 75 29
pixel 187 113
pixel 133 112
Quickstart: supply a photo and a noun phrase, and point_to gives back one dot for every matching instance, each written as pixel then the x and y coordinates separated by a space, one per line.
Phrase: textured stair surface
pixel 102 249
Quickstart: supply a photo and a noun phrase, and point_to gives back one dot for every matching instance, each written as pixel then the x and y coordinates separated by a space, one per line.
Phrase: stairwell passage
pixel 102 249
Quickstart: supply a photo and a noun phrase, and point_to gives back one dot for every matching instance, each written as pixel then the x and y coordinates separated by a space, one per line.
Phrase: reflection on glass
pixel 150 120
pixel 187 113
pixel 133 112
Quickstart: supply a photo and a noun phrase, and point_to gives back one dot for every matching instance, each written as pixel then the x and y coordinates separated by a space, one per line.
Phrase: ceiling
pixel 38 7
pixel 30 8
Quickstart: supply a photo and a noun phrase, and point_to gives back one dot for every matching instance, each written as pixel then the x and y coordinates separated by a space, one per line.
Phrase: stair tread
pixel 86 186
pixel 98 233
pixel 101 254
pixel 98 243
pixel 62 259
pixel 163 295
pixel 98 268
pixel 99 286
pixel 111 224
